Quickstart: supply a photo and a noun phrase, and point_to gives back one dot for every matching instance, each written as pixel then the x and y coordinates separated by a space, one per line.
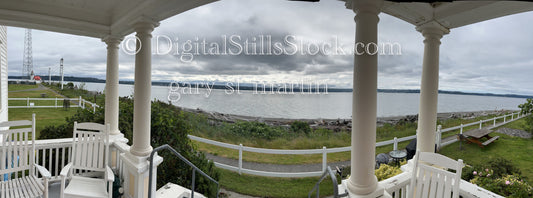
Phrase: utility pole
pixel 49 76
pixel 61 71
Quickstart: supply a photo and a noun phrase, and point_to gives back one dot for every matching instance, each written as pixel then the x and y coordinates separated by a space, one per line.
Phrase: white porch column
pixel 111 85
pixel 427 117
pixel 363 182
pixel 142 89
pixel 136 160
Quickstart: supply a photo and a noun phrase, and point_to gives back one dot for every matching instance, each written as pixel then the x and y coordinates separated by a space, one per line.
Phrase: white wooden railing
pixel 54 154
pixel 398 186
pixel 324 151
pixel 58 103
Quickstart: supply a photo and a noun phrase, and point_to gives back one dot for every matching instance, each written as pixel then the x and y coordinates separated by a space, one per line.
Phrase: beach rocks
pixel 514 132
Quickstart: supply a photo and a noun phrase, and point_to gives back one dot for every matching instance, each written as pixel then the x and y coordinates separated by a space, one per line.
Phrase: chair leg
pixel 45 187
pixel 62 188
pixel 110 187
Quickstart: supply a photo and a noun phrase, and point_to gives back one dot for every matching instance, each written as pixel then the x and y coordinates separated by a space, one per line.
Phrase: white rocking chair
pixel 90 149
pixel 17 157
pixel 431 179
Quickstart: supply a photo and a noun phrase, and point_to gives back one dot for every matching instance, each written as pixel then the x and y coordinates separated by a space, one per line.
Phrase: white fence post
pixel 512 116
pixel 324 159
pixel 461 132
pixel 395 147
pixel 504 117
pixel 28 102
pixel 94 108
pixel 79 102
pixel 56 102
pixel 480 124
pixel 439 136
pixel 494 123
pixel 240 159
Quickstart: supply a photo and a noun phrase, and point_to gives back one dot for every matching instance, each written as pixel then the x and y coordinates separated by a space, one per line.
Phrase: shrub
pixel 300 127
pixel 525 109
pixel 257 130
pixel 386 171
pixel 168 126
pixel 499 176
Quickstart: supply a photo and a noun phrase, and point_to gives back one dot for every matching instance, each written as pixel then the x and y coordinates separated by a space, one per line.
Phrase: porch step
pixel 170 190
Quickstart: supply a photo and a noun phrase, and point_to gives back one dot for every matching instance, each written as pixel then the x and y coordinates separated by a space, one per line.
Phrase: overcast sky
pixel 492 56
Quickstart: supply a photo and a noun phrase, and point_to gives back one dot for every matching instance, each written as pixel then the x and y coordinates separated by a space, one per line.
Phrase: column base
pixel 136 175
pixel 379 192
pixel 117 137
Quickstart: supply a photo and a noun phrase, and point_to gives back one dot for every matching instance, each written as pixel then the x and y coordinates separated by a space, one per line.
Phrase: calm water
pixel 312 106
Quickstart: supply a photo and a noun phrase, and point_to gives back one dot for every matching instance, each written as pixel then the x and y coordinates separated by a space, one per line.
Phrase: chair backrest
pixel 90 146
pixel 431 177
pixel 17 147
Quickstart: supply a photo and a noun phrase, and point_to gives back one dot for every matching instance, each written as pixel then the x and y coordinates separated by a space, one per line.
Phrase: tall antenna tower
pixel 61 71
pixel 27 60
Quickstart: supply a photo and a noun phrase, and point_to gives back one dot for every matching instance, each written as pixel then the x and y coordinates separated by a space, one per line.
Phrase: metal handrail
pixel 331 174
pixel 194 169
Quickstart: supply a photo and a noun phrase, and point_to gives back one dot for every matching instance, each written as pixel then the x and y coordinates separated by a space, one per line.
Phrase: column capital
pixel 112 39
pixel 360 6
pixel 144 25
pixel 432 30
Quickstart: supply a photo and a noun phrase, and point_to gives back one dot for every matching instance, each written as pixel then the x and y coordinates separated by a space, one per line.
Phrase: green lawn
pixel 17 87
pixel 272 187
pixel 44 116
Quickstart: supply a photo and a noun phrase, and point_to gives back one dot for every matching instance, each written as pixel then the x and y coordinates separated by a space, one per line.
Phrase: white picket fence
pixel 324 151
pixel 30 103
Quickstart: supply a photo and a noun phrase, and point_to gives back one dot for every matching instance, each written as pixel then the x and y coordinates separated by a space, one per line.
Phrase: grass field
pixel 44 116
pixel 338 139
pixel 17 87
pixel 272 187
pixel 515 149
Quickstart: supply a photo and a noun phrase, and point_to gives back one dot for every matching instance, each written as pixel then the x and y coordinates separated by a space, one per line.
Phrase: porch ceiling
pixel 454 14
pixel 99 18
pixel 93 18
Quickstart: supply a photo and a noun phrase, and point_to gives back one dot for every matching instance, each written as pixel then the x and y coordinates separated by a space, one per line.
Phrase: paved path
pixel 274 167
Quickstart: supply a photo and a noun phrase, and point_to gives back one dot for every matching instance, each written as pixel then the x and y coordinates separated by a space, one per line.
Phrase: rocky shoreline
pixel 338 124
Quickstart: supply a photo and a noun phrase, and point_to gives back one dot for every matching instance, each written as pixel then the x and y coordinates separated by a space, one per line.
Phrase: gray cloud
pixel 492 56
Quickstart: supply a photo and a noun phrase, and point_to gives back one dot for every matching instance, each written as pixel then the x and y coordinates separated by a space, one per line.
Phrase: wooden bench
pixel 490 140
pixel 17 162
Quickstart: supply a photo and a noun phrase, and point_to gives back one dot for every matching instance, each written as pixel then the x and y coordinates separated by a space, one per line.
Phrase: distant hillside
pixel 250 86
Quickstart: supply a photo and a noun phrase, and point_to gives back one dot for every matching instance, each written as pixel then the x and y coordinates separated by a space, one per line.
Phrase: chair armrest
pixel 65 170
pixel 109 175
pixel 44 172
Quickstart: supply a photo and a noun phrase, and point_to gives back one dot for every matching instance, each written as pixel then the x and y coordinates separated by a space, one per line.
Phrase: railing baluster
pixel 193 181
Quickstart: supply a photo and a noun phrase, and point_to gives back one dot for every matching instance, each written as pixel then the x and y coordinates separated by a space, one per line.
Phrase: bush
pixel 386 171
pixel 168 126
pixel 300 127
pixel 499 176
pixel 525 109
pixel 255 130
